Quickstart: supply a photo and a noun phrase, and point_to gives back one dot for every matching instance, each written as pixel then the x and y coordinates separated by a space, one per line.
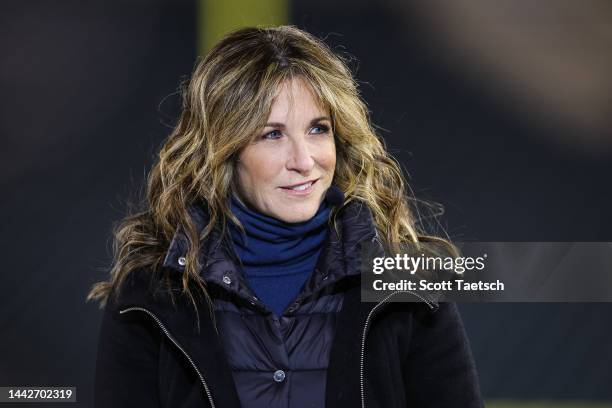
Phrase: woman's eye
pixel 322 129
pixel 275 134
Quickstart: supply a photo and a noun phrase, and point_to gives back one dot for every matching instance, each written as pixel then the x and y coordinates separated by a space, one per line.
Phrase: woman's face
pixel 285 171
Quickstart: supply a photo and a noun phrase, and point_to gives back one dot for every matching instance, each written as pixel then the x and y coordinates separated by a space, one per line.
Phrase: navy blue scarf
pixel 278 257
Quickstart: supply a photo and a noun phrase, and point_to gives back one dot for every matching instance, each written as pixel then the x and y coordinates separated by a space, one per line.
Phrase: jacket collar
pixel 339 258
pixel 218 261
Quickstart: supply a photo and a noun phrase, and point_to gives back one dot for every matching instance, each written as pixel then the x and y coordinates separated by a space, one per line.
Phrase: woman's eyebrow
pixel 312 122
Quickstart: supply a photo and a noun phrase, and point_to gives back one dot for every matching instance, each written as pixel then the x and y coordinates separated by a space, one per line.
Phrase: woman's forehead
pixel 296 97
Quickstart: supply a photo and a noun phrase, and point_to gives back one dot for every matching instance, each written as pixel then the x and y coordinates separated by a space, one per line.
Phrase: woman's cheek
pixel 330 157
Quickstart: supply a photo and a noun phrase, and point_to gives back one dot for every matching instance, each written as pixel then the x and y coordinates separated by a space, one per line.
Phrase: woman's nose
pixel 300 157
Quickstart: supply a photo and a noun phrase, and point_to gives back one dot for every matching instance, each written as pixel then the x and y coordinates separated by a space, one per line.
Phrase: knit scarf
pixel 277 257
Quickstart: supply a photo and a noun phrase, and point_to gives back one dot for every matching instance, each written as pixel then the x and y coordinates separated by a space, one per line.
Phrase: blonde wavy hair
pixel 226 101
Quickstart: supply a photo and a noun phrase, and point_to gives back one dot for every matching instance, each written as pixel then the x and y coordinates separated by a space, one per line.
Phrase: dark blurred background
pixel 499 110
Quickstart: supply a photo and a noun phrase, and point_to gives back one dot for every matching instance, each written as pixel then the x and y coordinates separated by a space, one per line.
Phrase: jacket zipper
pixel 365 331
pixel 171 338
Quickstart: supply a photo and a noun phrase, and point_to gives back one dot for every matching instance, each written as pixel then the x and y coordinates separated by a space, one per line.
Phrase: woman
pixel 238 284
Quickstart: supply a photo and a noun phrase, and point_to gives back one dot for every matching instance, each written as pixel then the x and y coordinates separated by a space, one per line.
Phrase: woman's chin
pixel 294 213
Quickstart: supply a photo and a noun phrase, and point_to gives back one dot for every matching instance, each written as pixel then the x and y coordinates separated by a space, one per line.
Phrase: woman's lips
pixel 301 189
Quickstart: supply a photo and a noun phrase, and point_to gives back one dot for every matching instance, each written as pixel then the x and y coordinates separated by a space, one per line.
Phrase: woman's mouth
pixel 300 189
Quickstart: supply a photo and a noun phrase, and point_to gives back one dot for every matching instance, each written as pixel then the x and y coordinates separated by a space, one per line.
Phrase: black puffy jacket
pixel 387 354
